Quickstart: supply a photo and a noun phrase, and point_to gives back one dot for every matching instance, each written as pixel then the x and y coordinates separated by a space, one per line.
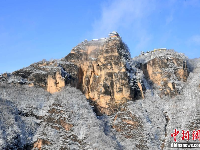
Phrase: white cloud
pixel 144 40
pixel 136 18
pixel 194 40
pixel 169 19
pixel 126 14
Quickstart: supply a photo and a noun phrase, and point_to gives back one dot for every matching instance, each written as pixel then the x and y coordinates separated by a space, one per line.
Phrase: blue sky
pixel 47 29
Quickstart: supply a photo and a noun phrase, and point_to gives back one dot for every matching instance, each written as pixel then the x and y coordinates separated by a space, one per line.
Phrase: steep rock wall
pixel 102 73
pixel 55 84
pixel 166 73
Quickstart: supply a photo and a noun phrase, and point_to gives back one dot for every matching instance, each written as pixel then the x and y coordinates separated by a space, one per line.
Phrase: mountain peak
pixel 98 92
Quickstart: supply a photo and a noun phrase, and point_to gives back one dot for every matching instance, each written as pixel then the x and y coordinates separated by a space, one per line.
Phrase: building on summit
pixel 160 49
pixel 114 34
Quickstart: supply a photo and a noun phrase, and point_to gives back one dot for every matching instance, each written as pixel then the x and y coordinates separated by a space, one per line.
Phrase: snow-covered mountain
pixel 98 97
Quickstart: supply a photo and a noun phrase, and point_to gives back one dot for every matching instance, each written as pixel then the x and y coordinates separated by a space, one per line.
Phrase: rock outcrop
pixel 103 70
pixel 50 75
pixel 98 68
pixel 166 70
pixel 102 74
pixel 122 103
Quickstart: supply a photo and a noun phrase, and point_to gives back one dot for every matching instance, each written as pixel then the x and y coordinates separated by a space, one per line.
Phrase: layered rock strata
pixel 102 74
pixel 167 70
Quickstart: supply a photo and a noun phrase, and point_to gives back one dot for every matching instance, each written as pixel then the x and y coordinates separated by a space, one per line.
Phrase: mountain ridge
pixel 134 102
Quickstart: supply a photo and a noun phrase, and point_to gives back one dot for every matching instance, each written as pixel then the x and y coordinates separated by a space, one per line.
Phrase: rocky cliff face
pixel 104 72
pixel 98 68
pixel 166 70
pixel 102 75
pixel 133 103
